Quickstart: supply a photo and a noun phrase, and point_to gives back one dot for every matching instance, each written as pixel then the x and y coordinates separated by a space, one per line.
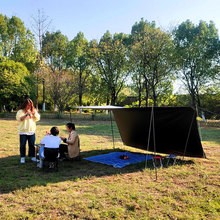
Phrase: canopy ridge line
pixel 188 134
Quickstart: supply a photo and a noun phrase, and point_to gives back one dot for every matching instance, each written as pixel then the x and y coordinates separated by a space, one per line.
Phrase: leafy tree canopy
pixel 17 42
pixel 15 83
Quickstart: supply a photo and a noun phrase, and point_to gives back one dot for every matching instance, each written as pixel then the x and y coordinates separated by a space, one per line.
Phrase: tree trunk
pixel 198 98
pixel 147 93
pixel 113 97
pixel 80 88
pixel 43 108
pixel 107 101
pixel 113 100
pixel 36 100
pixel 193 98
pixel 154 97
pixel 139 90
pixel 80 99
pixel 139 98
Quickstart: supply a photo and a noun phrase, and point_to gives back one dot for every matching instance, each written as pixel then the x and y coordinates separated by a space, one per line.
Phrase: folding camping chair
pixel 171 156
pixel 50 161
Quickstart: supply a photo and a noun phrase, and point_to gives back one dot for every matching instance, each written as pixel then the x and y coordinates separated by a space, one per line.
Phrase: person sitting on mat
pixel 49 141
pixel 71 149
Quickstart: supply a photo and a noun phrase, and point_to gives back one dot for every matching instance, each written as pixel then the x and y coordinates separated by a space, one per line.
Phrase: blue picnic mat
pixel 114 159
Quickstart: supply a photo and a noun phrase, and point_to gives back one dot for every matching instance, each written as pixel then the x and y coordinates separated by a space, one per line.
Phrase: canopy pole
pixel 188 134
pixel 154 142
pixel 148 141
pixel 113 140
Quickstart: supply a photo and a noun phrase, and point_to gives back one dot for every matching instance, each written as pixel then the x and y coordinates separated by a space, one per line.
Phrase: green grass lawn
pixel 87 190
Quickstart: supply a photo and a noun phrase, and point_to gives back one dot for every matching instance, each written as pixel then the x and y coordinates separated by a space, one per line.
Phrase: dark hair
pixel 25 103
pixel 54 131
pixel 71 125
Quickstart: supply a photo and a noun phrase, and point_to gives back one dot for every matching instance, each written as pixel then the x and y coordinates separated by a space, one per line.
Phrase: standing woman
pixel 72 146
pixel 27 117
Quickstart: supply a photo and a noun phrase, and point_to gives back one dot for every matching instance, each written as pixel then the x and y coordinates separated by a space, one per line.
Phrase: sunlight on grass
pixel 87 190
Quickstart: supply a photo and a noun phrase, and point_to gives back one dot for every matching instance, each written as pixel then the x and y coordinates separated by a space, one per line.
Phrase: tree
pixel 3 35
pixel 40 26
pixel 137 82
pixel 196 50
pixel 78 60
pixel 60 88
pixel 16 83
pixel 16 42
pixel 54 50
pixel 97 91
pixel 151 55
pixel 111 62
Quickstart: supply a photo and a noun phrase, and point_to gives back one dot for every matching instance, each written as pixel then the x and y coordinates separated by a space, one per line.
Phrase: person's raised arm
pixel 72 138
pixel 36 116
pixel 21 116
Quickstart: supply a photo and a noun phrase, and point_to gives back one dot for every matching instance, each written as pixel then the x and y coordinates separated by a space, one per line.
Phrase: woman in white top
pixel 49 141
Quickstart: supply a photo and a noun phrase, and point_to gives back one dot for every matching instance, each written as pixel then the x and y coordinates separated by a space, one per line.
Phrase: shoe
pixel 34 159
pixel 62 159
pixel 22 159
pixel 51 165
pixel 39 165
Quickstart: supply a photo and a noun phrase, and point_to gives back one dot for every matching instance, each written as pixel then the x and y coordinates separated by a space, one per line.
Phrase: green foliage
pixel 16 42
pixel 196 51
pixel 54 49
pixel 111 62
pixel 151 56
pixel 97 71
pixel 77 59
pixel 60 88
pixel 210 101
pixel 97 91
pixel 15 84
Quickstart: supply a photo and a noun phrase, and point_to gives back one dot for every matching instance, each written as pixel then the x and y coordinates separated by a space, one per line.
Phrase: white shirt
pixel 28 133
pixel 51 141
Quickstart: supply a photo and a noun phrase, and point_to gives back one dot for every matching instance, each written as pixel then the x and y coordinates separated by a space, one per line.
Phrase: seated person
pixel 72 146
pixel 49 141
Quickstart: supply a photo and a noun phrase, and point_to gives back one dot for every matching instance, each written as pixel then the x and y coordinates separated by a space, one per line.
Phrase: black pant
pixel 23 139
pixel 63 148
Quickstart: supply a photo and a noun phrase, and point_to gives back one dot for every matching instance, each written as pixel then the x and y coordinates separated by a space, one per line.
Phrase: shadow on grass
pixel 15 176
pixel 103 128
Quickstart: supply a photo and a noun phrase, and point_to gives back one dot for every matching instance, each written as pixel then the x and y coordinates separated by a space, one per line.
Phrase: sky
pixel 95 17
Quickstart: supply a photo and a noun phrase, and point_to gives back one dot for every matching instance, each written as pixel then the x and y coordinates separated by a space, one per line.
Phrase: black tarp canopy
pixel 169 130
